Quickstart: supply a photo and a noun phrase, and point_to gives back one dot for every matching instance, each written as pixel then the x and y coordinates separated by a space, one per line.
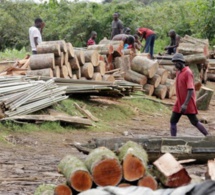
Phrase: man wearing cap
pixel 186 96
pixel 174 42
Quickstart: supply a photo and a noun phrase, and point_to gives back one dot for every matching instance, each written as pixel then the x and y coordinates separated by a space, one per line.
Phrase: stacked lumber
pixel 211 70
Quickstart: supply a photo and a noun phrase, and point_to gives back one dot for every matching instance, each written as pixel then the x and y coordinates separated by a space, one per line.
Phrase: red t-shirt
pixel 147 32
pixel 184 81
pixel 91 42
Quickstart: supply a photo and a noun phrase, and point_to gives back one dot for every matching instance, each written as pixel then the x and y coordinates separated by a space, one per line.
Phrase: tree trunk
pixel 92 56
pixel 160 91
pixel 164 75
pixel 62 44
pixel 170 172
pixel 148 181
pixel 135 77
pixel 204 98
pixel 100 68
pixel 52 48
pixel 97 76
pixel 59 60
pixel 108 77
pixel 74 63
pixel 70 50
pixel 210 174
pixel 42 61
pixel 148 89
pixel 57 72
pixel 76 173
pixel 69 69
pixel 80 55
pixel 64 72
pixel 211 77
pixel 87 70
pixel 102 49
pixel 170 88
pixel 155 80
pixel 104 167
pixel 144 66
pixel 62 189
pixel 189 48
pixel 42 72
pixel 134 161
pixel 195 59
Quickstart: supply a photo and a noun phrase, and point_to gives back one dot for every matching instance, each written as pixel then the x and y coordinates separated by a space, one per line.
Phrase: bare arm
pixel 187 100
pixel 176 43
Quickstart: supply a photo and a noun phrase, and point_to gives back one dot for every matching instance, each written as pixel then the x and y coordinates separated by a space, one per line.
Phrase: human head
pixel 115 16
pixel 137 32
pixel 179 61
pixel 127 31
pixel 93 34
pixel 172 33
pixel 38 22
pixel 130 40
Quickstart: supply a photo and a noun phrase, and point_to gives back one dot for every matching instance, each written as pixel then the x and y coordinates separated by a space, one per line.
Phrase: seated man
pixel 92 39
pixel 127 39
pixel 174 42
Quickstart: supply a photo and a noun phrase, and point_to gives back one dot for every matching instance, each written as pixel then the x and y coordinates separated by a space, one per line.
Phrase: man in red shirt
pixel 92 39
pixel 149 37
pixel 186 96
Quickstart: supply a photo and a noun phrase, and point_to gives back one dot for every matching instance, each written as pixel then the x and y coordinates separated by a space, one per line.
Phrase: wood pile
pixel 211 70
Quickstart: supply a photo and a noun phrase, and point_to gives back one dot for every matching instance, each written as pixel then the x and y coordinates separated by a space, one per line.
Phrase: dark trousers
pixel 150 45
pixel 176 116
pixel 171 50
pixel 34 52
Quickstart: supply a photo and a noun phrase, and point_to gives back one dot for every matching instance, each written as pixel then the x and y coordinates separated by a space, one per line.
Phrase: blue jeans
pixel 150 45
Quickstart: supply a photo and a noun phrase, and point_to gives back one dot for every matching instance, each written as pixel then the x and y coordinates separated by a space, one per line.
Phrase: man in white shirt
pixel 35 34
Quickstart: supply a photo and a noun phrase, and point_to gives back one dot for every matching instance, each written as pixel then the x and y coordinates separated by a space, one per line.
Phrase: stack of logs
pixel 129 167
pixel 211 69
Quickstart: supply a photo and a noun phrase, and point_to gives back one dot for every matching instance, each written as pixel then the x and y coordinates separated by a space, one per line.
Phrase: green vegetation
pixel 13 54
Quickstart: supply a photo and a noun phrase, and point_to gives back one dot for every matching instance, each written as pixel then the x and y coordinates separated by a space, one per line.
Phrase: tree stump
pixel 52 48
pixel 47 72
pixel 148 181
pixel 102 49
pixel 42 61
pixel 57 72
pixel 62 44
pixel 74 63
pixel 155 80
pixel 148 89
pixel 70 50
pixel 108 77
pixel 80 55
pixel 163 74
pixel 87 70
pixel 92 56
pixel 97 76
pixel 160 91
pixel 100 68
pixel 135 77
pixel 59 61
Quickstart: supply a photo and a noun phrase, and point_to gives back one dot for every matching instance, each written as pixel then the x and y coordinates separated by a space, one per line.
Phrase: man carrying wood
pixel 175 39
pixel 92 39
pixel 127 39
pixel 35 34
pixel 117 25
pixel 186 96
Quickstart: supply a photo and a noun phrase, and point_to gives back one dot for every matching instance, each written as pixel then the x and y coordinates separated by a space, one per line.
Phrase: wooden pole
pixel 103 49
pixel 64 72
pixel 97 76
pixel 74 63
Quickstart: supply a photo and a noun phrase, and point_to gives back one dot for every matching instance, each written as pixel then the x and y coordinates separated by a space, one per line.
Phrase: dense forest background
pixel 73 21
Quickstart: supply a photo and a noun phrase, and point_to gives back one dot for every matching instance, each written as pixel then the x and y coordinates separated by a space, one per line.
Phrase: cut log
pixel 59 60
pixel 77 73
pixel 66 58
pixel 49 48
pixel 160 91
pixel 97 76
pixel 83 78
pixel 42 72
pixel 74 63
pixel 170 88
pixel 171 70
pixel 22 62
pixel 100 68
pixel 76 173
pixel 170 172
pixel 211 77
pixel 102 49
pixel 210 174
pixel 41 61
pixel 69 69
pixel 134 161
pixel 148 181
pixel 87 70
pixel 166 62
pixel 57 72
pixel 64 72
pixel 146 55
pixel 26 65
pixel 163 74
pixel 123 63
pixel 148 89
pixel 104 167
pixel 70 50
pixel 92 56
pixel 110 65
pixel 195 59
pixel 47 189
pixel 189 48
pixel 204 98
pixel 74 77
pixel 123 185
pixel 80 55
pixel 62 44
pixel 135 77
pixel 144 66
pixel 108 77
pixel 155 80
pixel 62 189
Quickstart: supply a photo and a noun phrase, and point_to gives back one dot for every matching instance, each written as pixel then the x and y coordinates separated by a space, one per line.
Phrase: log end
pixel 148 181
pixel 62 190
pixel 123 185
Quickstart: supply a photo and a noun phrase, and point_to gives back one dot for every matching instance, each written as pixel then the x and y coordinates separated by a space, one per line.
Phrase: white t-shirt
pixel 34 32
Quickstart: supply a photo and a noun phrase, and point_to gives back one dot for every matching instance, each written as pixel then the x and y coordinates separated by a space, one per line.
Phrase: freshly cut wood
pixel 148 181
pixel 211 77
pixel 74 77
pixel 103 49
pixel 204 98
pixel 77 73
pixel 57 72
pixel 42 72
pixel 144 66
pixel 189 48
pixel 170 88
pixel 110 65
pixel 64 72
pixel 87 70
pixel 155 80
pixel 171 70
pixel 41 61
pixel 97 76
pixel 135 77
pixel 62 44
pixel 80 55
pixel 134 161
pixel 74 63
pixel 26 64
pixel 104 166
pixel 166 62
pixel 70 50
pixel 160 91
pixel 76 173
pixel 69 69
pixel 123 63
pixel 210 174
pixel 164 75
pixel 195 59
pixel 92 56
pixel 100 68
pixel 66 58
pixel 49 48
pixel 123 185
pixel 59 61
pixel 108 77
pixel 170 172
pixel 62 189
pixel 148 89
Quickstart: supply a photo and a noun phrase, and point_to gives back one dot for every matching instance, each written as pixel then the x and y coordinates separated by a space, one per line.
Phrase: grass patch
pixel 13 54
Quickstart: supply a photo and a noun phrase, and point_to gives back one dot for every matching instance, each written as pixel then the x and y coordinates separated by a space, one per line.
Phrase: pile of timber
pixel 129 167
pixel 211 70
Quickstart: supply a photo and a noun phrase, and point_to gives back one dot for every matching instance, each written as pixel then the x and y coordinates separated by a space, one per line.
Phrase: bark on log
pixel 148 89
pixel 163 74
pixel 57 72
pixel 42 72
pixel 210 174
pixel 49 48
pixel 144 66
pixel 74 63
pixel 108 77
pixel 204 98
pixel 42 61
pixel 69 69
pixel 155 80
pixel 97 76
pixel 160 91
pixel 195 59
pixel 59 60
pixel 64 72
pixel 62 44
pixel 92 56
pixel 170 88
pixel 100 68
pixel 135 77
pixel 148 181
pixel 189 48
pixel 104 167
pixel 102 49
pixel 70 50
pixel 76 173
pixel 170 172
pixel 211 77
pixel 134 161
pixel 80 55
pixel 87 70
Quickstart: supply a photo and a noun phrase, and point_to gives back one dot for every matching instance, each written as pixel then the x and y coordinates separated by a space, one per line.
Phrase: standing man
pixel 174 42
pixel 35 34
pixel 92 39
pixel 117 25
pixel 186 97
pixel 149 36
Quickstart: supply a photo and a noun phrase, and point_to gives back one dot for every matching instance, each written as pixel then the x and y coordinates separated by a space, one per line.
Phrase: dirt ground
pixel 30 159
